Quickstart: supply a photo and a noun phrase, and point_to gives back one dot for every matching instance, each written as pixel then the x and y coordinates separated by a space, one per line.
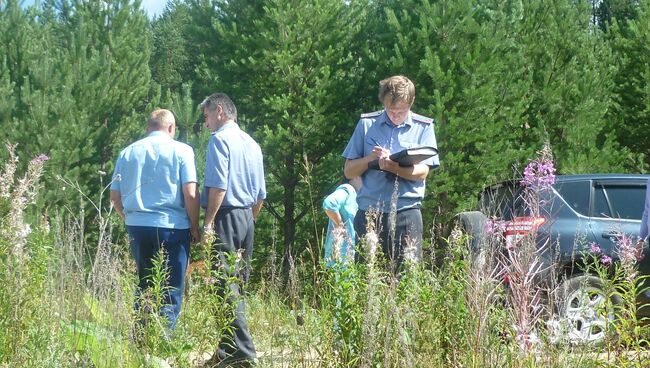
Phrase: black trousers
pixel 235 229
pixel 394 237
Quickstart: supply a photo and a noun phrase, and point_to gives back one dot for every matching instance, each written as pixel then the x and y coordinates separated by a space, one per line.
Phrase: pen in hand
pixel 375 143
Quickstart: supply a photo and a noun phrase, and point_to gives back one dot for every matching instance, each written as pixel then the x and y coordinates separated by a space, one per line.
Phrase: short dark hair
pixel 220 99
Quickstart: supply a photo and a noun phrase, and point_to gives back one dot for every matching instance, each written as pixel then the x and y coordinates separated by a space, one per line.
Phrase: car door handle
pixel 609 235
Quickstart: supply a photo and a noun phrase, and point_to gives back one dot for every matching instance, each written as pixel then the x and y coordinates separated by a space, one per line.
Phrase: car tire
pixel 580 307
pixel 472 223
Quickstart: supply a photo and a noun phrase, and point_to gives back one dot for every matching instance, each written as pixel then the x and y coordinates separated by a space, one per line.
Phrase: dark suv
pixel 581 211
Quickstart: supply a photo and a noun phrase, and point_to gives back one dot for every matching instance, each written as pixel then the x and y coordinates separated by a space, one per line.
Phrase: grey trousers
pixel 235 230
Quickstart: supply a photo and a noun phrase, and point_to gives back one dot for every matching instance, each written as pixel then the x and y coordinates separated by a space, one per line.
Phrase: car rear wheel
pixel 582 309
pixel 472 223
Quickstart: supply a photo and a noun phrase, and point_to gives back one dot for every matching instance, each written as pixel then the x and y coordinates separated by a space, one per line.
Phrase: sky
pixel 152 7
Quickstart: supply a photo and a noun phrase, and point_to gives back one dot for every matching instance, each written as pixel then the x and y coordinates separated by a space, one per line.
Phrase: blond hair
pixel 160 119
pixel 398 88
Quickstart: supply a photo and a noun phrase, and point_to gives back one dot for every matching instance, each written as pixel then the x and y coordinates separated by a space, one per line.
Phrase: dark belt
pixel 418 207
pixel 235 207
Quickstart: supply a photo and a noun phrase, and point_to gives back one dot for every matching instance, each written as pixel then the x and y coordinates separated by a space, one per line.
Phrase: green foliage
pixel 345 299
pixel 627 331
pixel 498 88
pixel 501 79
pixel 79 82
pixel 630 115
pixel 172 56
pixel 60 312
pixel 608 11
pixel 292 68
pixel 100 345
pixel 208 307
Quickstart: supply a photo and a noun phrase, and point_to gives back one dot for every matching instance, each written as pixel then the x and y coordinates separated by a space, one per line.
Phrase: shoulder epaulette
pixel 421 119
pixel 372 114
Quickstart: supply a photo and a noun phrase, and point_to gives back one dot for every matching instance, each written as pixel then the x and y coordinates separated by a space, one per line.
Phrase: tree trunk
pixel 289 204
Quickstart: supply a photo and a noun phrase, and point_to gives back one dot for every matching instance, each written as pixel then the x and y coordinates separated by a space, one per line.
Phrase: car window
pixel 503 201
pixel 576 194
pixel 619 201
pixel 507 200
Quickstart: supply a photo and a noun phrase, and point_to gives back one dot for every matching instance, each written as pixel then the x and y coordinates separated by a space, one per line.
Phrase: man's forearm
pixel 215 199
pixel 257 207
pixel 191 199
pixel 415 172
pixel 357 166
pixel 116 199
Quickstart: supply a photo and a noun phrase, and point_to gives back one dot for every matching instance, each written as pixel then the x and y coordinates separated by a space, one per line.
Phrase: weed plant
pixel 62 305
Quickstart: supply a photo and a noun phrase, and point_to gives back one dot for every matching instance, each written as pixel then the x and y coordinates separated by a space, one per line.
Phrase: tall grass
pixel 62 305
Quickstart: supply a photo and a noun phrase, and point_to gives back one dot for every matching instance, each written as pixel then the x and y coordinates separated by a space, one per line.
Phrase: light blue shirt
pixel 643 233
pixel 234 163
pixel 149 174
pixel 378 186
pixel 344 201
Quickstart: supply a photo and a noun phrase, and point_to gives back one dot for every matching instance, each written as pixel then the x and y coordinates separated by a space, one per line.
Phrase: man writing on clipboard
pixel 376 136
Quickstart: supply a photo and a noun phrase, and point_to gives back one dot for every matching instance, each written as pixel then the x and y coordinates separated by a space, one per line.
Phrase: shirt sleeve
pixel 261 195
pixel 334 201
pixel 429 139
pixel 117 174
pixel 188 165
pixel 216 164
pixel 354 149
pixel 643 232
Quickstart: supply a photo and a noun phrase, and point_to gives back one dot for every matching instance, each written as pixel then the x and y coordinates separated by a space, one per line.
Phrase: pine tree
pixel 293 70
pixel 502 78
pixel 630 116
pixel 172 59
pixel 82 87
pixel 606 11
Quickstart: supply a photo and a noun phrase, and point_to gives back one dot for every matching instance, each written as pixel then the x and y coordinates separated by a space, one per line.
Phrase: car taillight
pixel 520 227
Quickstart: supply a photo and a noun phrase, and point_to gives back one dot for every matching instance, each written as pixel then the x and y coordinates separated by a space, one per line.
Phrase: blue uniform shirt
pixel 149 174
pixel 234 163
pixel 375 129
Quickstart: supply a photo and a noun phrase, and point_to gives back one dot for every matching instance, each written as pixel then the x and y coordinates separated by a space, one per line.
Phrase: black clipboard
pixel 408 156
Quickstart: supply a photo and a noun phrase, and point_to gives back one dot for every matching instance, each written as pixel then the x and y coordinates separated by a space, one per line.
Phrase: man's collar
pixel 157 133
pixel 228 125
pixel 384 118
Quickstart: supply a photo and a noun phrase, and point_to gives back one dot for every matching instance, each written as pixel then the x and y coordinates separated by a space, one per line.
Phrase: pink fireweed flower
pixel 39 159
pixel 606 261
pixel 495 227
pixel 594 248
pixel 628 250
pixel 540 173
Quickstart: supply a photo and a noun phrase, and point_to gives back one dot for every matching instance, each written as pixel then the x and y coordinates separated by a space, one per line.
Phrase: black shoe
pixel 217 362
